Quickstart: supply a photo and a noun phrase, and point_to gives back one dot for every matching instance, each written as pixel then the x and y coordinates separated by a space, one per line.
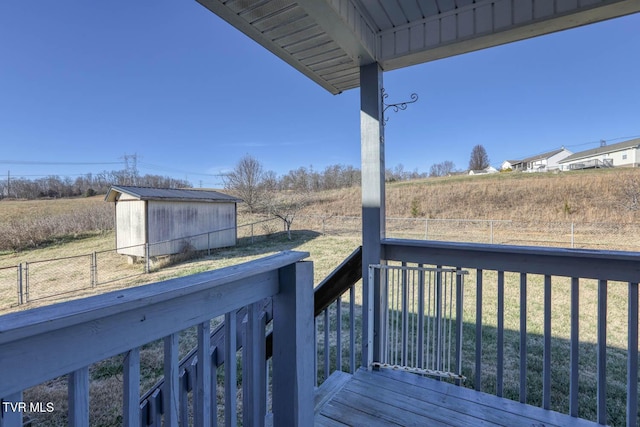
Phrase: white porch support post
pixel 373 204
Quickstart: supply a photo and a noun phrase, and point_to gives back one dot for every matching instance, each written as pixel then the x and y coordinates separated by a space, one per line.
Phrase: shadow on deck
pixel 387 397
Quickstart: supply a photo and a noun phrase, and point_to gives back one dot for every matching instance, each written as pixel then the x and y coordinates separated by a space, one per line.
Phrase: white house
pixel 164 220
pixel 485 171
pixel 542 162
pixel 624 153
pixel 509 164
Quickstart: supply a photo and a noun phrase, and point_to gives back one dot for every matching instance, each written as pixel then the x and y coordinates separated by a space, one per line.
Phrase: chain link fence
pixel 42 279
pixel 37 280
pixel 604 236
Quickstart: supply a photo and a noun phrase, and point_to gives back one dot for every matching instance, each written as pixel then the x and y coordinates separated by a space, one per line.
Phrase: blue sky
pixel 82 83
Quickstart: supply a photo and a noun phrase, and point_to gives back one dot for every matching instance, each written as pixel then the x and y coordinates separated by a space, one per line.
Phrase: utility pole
pixel 8 183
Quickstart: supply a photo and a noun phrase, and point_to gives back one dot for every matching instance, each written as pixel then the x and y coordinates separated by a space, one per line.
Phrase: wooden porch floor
pixel 388 398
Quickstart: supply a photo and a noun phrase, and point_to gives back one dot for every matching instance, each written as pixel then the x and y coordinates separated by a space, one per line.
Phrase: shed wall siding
pixel 130 226
pixel 169 221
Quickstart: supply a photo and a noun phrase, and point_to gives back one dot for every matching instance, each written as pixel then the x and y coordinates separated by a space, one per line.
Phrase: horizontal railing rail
pixel 45 343
pixel 535 306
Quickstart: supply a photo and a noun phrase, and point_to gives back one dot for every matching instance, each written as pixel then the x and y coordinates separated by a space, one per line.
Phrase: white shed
pixel 170 219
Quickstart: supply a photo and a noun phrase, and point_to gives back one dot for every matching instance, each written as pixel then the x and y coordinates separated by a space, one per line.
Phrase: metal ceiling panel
pixel 328 40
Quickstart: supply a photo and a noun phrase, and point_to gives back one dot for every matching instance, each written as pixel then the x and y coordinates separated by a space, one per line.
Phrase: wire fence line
pixel 604 236
pixel 37 280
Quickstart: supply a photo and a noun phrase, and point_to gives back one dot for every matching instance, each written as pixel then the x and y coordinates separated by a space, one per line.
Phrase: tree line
pixel 55 186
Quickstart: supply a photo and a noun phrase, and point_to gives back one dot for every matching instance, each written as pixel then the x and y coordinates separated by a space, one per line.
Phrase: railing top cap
pixel 513 249
pixel 55 316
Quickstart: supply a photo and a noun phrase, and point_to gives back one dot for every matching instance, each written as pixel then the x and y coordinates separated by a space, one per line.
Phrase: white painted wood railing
pixel 544 271
pixel 65 339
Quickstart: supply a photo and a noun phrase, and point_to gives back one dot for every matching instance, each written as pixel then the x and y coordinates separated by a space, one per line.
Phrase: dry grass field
pixel 588 196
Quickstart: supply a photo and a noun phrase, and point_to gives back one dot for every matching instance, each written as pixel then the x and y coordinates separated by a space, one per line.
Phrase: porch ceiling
pixel 328 40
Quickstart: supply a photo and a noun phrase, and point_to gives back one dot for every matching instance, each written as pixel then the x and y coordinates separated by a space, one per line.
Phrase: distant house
pixel 170 219
pixel 542 162
pixel 485 171
pixel 509 164
pixel 626 153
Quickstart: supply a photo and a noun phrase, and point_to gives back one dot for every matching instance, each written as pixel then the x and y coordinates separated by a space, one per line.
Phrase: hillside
pixel 583 196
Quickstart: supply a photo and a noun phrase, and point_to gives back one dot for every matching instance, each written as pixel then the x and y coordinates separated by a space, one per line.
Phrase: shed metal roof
pixel 328 40
pixel 176 194
pixel 602 150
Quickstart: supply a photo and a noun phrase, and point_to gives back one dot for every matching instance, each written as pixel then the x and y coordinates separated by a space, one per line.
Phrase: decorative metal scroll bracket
pixel 396 107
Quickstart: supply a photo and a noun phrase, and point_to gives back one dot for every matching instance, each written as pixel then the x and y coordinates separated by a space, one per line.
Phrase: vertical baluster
pixel 214 387
pixel 154 409
pixel 421 314
pixel 546 363
pixel 184 379
pixel 602 352
pixel 575 346
pixel 478 379
pixel 253 369
pixel 392 324
pixel 430 310
pixel 326 344
pixel 450 344
pixel 523 337
pixel 339 334
pixel 459 321
pixel 316 349
pixel 203 402
pixel 500 343
pixel 230 370
pixel 632 356
pixel 79 397
pixel 405 314
pixel 438 307
pixel 414 323
pixel 352 329
pixel 11 418
pixel 170 392
pixel 131 389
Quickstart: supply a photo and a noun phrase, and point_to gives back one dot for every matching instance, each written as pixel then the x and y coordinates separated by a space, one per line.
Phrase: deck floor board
pixel 389 397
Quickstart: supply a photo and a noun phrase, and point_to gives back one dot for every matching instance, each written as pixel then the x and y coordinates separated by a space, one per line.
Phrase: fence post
pixel 20 290
pixel 94 269
pixel 252 233
pixel 146 258
pixel 26 281
pixel 209 243
pixel 572 237
pixel 426 229
pixel 491 227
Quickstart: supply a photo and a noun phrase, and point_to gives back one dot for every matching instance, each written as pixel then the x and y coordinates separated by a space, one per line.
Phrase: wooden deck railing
pixel 45 343
pixel 535 280
pixel 326 296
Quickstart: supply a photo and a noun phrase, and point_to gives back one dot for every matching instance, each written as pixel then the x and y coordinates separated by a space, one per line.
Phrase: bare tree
pixel 442 169
pixel 479 159
pixel 246 181
pixel 286 205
